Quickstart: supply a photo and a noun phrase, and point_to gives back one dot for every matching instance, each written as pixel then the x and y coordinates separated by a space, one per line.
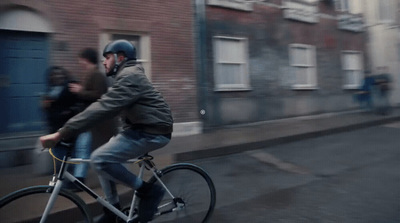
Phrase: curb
pixel 243 147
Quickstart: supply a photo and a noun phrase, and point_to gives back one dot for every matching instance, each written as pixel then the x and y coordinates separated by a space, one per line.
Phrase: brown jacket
pixel 94 86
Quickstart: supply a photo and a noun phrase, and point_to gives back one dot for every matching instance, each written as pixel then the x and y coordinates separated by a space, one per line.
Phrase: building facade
pixel 382 25
pixel 37 34
pixel 217 62
pixel 274 59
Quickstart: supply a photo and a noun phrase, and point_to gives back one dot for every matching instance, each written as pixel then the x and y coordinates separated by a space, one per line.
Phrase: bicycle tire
pixel 27 205
pixel 193 186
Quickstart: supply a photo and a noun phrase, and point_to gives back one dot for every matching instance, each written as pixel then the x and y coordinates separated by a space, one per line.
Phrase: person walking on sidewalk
pixel 58 102
pixel 364 95
pixel 92 86
pixel 382 81
pixel 147 126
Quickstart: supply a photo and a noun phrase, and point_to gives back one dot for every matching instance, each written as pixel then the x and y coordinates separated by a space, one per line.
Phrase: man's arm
pixel 125 91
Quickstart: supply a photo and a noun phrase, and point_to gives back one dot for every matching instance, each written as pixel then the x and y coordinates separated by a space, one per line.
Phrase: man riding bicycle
pixel 147 126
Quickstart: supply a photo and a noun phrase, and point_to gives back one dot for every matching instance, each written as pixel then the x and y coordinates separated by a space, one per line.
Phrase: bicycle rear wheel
pixel 193 191
pixel 27 205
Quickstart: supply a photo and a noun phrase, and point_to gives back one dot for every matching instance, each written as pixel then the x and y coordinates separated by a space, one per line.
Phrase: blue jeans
pixel 107 160
pixel 82 150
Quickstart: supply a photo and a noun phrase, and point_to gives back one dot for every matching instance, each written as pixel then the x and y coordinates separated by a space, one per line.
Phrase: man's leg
pixel 128 144
pixel 83 148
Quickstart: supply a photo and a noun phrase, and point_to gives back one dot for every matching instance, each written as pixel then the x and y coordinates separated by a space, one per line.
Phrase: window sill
pixel 351 87
pixel 304 87
pixel 231 89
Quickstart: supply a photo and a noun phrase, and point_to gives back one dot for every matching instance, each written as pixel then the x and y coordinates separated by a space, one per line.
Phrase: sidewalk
pixel 224 141
pixel 236 139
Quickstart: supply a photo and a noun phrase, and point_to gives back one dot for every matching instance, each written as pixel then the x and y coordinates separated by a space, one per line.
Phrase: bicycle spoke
pixel 191 191
pixel 28 206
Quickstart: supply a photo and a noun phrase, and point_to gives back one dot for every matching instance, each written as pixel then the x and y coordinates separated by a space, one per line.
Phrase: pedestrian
pixel 147 126
pixel 92 86
pixel 58 102
pixel 382 82
pixel 365 93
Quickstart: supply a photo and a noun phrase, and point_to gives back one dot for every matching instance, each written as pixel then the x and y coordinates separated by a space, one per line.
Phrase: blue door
pixel 23 61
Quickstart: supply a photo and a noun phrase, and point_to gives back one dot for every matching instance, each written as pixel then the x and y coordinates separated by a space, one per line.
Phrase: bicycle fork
pixel 57 184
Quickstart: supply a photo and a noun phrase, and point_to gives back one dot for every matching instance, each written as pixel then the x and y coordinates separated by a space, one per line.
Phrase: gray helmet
pixel 121 46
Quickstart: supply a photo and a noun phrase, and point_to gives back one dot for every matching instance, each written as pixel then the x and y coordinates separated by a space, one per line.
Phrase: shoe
pixel 150 197
pixel 107 216
pixel 72 187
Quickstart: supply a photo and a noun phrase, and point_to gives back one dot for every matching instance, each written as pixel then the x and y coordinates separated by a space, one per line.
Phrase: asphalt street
pixel 346 177
pixel 351 176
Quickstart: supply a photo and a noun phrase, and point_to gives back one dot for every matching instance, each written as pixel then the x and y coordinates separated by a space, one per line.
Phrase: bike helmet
pixel 119 46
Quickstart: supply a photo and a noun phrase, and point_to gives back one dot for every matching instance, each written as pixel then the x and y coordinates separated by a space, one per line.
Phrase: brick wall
pixel 79 23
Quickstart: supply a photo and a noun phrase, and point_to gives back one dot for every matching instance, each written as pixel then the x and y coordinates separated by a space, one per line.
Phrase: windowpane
pixel 230 51
pixel 301 76
pixel 346 62
pixel 350 77
pixel 342 5
pixel 386 10
pixel 303 63
pixel 229 74
pixel 352 69
pixel 300 56
pixel 230 68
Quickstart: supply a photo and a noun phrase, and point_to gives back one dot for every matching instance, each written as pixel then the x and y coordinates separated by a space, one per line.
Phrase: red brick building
pixel 217 62
pixel 42 33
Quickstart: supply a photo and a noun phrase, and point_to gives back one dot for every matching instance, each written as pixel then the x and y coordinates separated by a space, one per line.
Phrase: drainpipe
pixel 201 60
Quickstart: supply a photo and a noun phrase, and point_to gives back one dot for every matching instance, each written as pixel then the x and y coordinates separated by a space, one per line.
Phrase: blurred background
pixel 220 64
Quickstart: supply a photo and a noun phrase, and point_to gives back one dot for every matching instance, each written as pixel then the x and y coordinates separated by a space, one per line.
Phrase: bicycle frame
pixel 65 175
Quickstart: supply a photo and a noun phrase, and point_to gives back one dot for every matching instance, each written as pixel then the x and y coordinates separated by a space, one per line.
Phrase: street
pixel 346 177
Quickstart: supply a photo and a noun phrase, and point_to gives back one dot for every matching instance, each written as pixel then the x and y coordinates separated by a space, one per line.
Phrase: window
pixel 302 60
pixel 245 5
pixel 307 1
pixel 141 43
pixel 230 64
pixel 304 11
pixel 352 69
pixel 387 11
pixel 349 6
pixel 342 5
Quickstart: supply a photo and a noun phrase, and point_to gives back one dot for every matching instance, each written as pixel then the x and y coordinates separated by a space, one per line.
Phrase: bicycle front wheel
pixel 28 204
pixel 193 194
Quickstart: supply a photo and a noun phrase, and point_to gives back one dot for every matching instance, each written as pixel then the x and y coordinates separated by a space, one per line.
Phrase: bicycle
pixel 190 195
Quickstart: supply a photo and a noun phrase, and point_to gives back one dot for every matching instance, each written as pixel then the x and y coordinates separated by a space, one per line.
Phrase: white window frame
pixel 310 66
pixel 352 70
pixel 307 1
pixel 342 5
pixel 387 11
pixel 139 40
pixel 349 6
pixel 227 57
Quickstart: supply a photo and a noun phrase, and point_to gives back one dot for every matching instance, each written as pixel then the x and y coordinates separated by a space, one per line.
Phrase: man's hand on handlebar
pixel 49 141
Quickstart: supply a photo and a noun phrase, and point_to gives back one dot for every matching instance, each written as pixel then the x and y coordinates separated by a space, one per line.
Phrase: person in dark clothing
pixel 382 82
pixel 58 102
pixel 147 126
pixel 365 93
